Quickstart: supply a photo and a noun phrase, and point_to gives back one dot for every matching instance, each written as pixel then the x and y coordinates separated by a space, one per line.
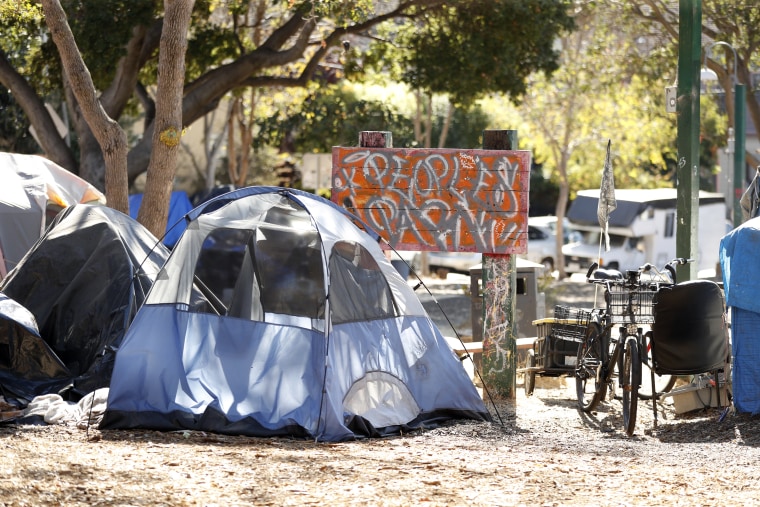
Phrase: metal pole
pixel 739 149
pixel 687 109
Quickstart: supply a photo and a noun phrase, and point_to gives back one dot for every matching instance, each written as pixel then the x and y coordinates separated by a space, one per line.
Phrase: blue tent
pixel 275 314
pixel 179 205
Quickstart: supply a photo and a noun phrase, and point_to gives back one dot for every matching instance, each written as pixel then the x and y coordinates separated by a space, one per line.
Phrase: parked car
pixel 542 243
pixel 442 263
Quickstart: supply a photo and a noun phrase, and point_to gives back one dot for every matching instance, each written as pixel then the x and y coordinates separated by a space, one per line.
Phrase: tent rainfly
pixel 32 189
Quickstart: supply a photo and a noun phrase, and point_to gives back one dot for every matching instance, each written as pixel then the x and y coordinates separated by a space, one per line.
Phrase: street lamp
pixel 736 146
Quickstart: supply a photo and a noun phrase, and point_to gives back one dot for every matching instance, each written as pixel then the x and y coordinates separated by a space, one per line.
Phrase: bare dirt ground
pixel 539 450
pixel 545 454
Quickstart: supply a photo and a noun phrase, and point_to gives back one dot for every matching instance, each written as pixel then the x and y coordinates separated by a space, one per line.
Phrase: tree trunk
pixel 246 123
pixel 429 122
pixel 212 141
pixel 446 125
pixel 91 162
pixel 232 158
pixel 418 116
pixel 167 130
pixel 559 212
pixel 111 137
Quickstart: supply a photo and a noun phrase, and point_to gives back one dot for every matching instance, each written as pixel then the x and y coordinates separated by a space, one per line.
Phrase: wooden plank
pixel 461 347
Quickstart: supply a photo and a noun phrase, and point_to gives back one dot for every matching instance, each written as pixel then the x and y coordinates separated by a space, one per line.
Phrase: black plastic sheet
pixel 82 282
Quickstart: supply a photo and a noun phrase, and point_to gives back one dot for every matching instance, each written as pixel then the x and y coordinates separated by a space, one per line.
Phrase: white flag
pixel 607 201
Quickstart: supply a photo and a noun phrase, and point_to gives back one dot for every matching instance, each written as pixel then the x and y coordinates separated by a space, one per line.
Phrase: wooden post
pixel 499 293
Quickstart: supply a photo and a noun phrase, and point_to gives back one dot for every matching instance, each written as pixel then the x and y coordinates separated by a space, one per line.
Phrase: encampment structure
pixel 275 314
pixel 33 190
pixel 82 282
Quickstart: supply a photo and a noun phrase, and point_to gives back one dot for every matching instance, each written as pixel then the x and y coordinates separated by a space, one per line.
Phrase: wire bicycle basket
pixel 627 305
pixel 570 323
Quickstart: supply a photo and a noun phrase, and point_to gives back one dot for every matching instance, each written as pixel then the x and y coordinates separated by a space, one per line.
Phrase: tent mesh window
pixel 220 264
pixel 267 270
pixel 289 267
pixel 358 289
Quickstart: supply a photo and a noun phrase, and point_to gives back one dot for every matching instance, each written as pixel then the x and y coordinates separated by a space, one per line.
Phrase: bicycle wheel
pixel 662 383
pixel 589 385
pixel 530 375
pixel 630 380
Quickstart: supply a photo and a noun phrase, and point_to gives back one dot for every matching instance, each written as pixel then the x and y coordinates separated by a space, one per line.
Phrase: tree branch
pixel 111 138
pixel 47 133
pixel 123 85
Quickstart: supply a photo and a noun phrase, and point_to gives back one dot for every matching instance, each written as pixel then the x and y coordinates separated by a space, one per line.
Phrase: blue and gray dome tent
pixel 275 314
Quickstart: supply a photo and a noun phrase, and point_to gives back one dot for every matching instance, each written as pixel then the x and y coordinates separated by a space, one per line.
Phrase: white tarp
pixel 31 187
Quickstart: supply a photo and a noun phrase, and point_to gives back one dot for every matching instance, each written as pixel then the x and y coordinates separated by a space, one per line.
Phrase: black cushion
pixel 689 330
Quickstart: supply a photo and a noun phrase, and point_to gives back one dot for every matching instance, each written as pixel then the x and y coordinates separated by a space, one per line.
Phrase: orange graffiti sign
pixel 437 199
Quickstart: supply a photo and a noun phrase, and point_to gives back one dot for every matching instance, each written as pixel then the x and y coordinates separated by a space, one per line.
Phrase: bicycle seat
pixel 606 274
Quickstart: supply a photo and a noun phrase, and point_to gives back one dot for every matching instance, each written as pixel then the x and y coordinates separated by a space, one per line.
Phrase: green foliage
pixel 334 116
pixel 14 127
pixel 102 29
pixel 543 192
pixel 466 129
pixel 331 116
pixel 483 46
pixel 20 25
pixel 19 18
pixel 597 96
pixel 207 46
pixel 344 12
pixel 731 21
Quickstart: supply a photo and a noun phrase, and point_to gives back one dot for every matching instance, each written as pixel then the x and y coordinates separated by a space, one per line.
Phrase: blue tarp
pixel 745 326
pixel 739 254
pixel 175 225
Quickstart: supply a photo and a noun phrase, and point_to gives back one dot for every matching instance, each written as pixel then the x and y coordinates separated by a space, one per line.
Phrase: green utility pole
pixel 740 129
pixel 687 109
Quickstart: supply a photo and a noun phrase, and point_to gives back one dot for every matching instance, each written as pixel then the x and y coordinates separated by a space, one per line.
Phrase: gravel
pixel 539 450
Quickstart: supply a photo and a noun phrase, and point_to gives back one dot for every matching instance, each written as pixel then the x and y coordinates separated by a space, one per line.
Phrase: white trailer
pixel 643 229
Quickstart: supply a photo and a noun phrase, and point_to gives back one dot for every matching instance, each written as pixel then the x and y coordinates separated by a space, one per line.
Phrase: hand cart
pixel 555 349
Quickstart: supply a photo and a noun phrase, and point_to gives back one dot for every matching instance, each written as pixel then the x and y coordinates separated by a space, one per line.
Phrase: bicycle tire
pixel 589 385
pixel 663 383
pixel 529 382
pixel 630 381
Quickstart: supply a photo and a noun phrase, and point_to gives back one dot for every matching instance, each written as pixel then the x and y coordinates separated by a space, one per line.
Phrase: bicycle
pixel 628 306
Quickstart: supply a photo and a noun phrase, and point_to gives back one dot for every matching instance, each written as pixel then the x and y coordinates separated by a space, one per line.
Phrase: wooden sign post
pixel 448 200
pixel 499 294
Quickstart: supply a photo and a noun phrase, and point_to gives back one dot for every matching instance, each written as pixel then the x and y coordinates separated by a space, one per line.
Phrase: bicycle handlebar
pixel 633 276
